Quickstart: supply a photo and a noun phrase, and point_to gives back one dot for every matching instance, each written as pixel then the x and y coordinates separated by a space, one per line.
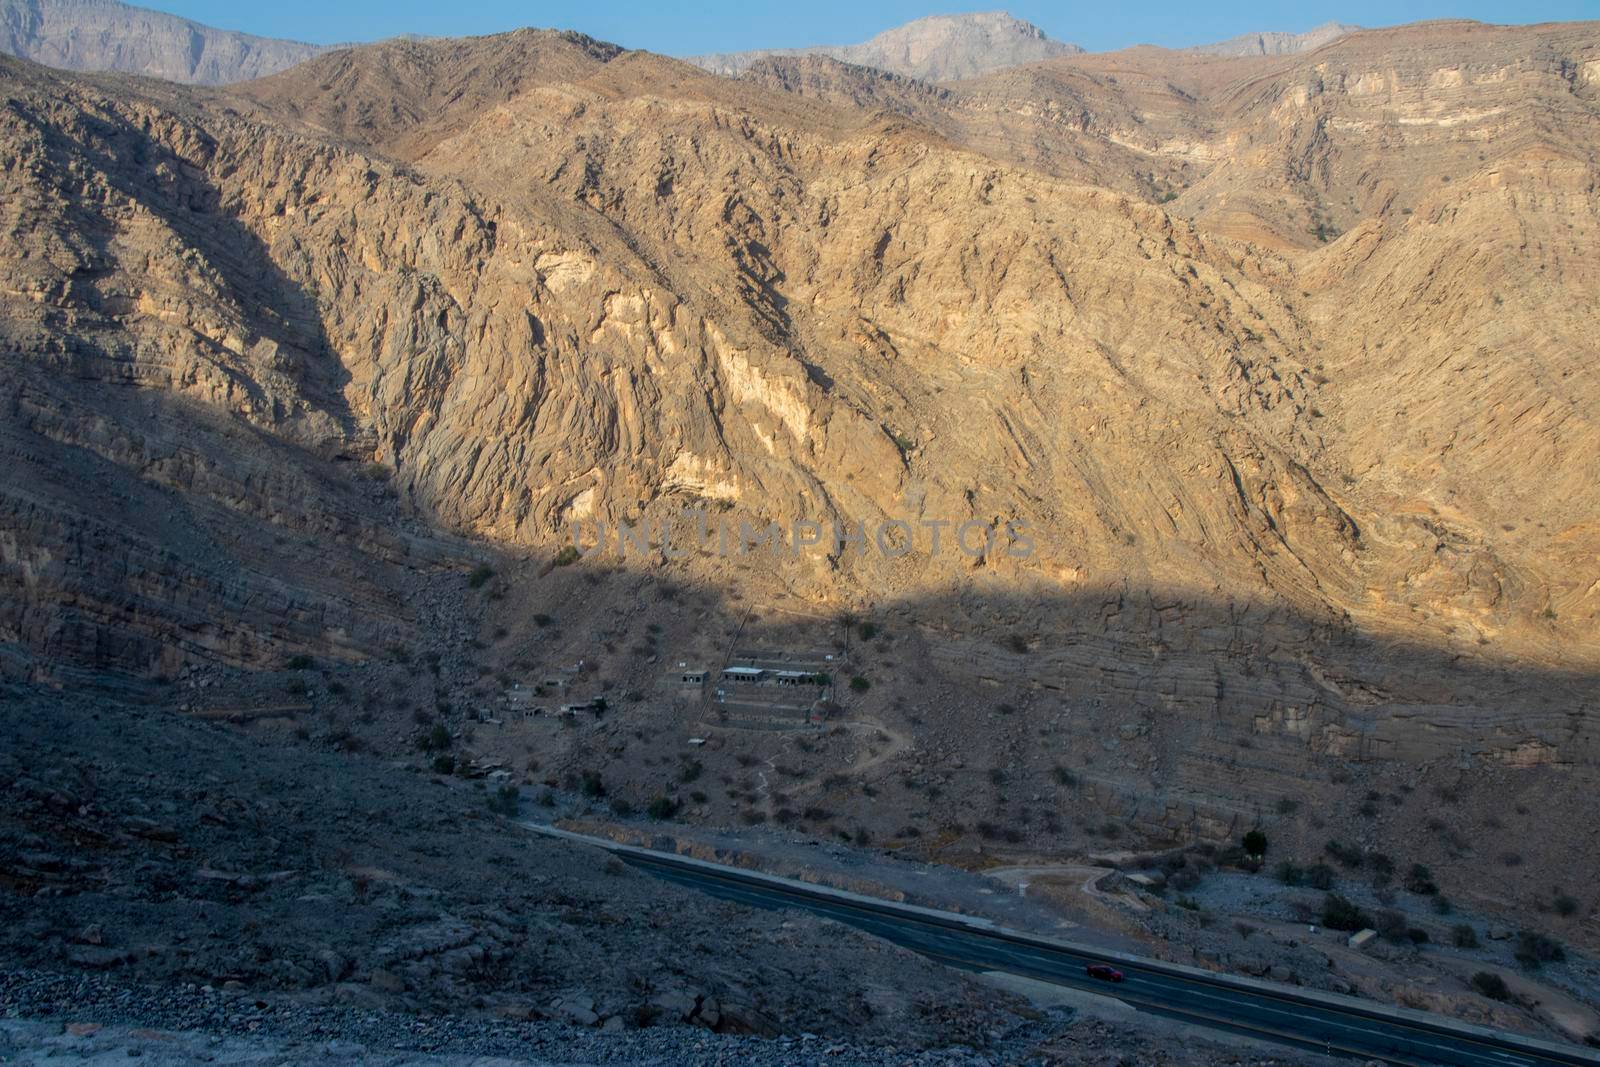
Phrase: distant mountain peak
pixel 108 35
pixel 1271 43
pixel 932 48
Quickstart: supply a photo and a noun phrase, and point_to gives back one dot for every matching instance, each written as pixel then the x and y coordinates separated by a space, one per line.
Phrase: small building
pixel 794 678
pixel 1362 938
pixel 743 675
pixel 693 676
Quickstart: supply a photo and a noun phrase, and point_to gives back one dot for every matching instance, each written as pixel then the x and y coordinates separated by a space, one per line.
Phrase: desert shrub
pixel 867 631
pixel 1339 913
pixel 567 556
pixel 1319 876
pixel 301 663
pixel 1063 776
pixel 1184 879
pixel 1463 936
pixel 1491 985
pixel 1534 949
pixel 1344 855
pixel 505 800
pixel 437 739
pixel 1289 874
pixel 444 764
pixel 590 785
pixel 1391 924
pixel 860 684
pixel 480 576
pixel 690 770
pixel 1255 843
pixel 621 808
pixel 1566 906
pixel 1420 880
pixel 662 807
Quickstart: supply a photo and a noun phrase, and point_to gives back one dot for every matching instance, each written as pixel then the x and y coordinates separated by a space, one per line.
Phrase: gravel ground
pixel 67 1017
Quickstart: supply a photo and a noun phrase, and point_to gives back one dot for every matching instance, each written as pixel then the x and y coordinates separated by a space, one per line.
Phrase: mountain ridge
pixel 932 48
pixel 106 35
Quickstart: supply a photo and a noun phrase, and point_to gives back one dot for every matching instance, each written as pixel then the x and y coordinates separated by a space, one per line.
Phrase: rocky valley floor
pixel 292 904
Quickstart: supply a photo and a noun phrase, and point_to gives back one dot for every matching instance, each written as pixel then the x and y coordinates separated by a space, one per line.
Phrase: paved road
pixel 1324 1023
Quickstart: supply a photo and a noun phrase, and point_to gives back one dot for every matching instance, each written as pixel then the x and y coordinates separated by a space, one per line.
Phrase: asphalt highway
pixel 1321 1023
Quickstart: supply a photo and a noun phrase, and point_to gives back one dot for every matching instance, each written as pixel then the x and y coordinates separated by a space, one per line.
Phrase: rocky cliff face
pixel 274 352
pixel 936 48
pixel 104 35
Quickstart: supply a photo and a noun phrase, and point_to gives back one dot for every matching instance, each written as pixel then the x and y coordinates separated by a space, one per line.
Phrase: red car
pixel 1103 972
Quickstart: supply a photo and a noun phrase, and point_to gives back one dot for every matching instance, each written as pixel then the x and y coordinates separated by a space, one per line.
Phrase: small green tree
pixel 662 807
pixel 1255 844
pixel 1339 913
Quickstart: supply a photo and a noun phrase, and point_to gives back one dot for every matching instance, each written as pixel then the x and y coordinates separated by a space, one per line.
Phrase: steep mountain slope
pixel 936 48
pixel 105 35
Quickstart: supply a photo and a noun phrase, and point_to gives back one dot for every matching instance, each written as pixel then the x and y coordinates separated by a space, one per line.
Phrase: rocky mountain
pixel 936 48
pixel 1284 362
pixel 105 35
pixel 1277 44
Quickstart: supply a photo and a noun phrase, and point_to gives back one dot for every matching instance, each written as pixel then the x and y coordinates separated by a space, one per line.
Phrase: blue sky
pixel 731 25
